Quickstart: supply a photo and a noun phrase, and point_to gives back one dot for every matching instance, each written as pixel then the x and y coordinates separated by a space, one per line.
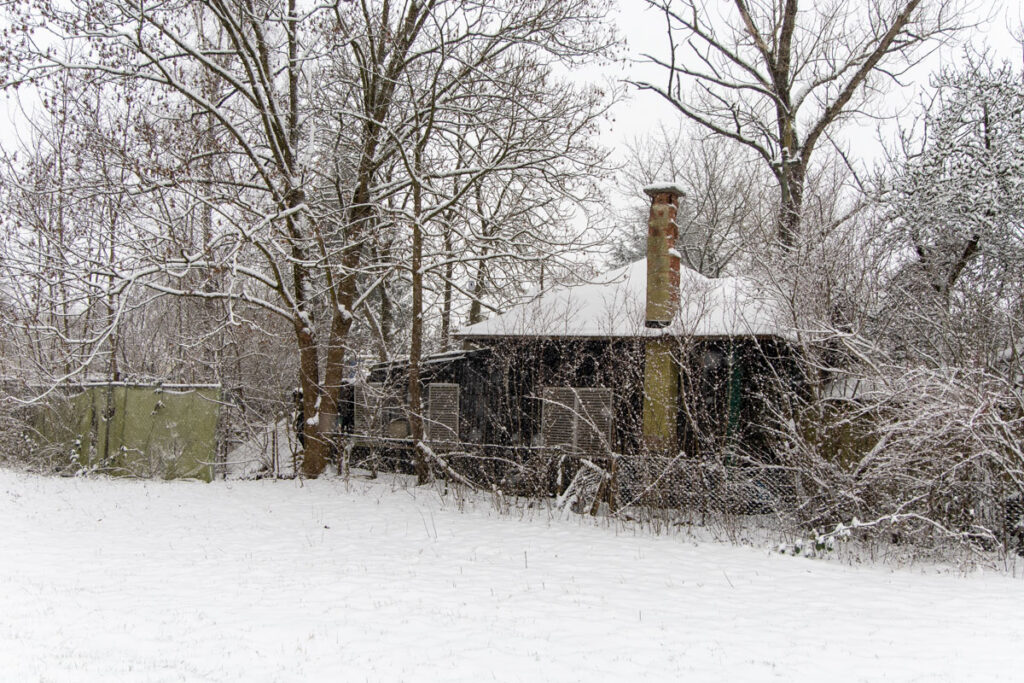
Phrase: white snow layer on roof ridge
pixel 664 186
pixel 615 306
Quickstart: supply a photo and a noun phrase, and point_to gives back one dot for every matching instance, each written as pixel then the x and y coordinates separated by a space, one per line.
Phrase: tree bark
pixel 791 190
pixel 446 303
pixel 416 342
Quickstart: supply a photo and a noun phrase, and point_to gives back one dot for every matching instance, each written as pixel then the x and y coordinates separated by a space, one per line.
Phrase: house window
pixel 379 411
pixel 367 404
pixel 722 374
pixel 577 420
pixel 442 412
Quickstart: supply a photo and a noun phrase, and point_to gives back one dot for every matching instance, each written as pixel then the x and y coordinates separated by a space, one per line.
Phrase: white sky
pixel 644 31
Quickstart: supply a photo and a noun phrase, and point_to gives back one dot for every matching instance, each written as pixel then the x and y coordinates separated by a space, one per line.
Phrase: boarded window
pixel 368 402
pixel 593 421
pixel 442 412
pixel 577 420
pixel 558 424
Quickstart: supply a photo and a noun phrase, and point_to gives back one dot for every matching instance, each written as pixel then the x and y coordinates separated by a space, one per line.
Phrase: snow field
pixel 106 580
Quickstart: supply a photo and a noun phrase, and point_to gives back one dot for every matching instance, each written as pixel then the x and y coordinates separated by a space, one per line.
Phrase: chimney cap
pixel 664 187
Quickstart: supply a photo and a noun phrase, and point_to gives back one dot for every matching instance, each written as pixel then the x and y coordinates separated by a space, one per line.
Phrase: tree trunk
pixel 315 450
pixel 791 186
pixel 446 304
pixel 345 294
pixel 480 281
pixel 416 343
pixel 387 322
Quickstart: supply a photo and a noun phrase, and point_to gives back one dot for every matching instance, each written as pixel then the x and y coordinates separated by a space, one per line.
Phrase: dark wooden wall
pixel 726 388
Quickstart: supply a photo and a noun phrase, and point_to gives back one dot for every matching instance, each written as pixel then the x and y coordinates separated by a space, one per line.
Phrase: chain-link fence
pixel 613 482
pixel 733 488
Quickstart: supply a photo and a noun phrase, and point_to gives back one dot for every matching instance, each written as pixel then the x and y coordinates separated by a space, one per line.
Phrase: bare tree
pixel 287 201
pixel 480 114
pixel 723 208
pixel 67 217
pixel 779 79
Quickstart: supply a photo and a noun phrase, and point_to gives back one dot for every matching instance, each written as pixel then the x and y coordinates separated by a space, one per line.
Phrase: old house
pixel 651 358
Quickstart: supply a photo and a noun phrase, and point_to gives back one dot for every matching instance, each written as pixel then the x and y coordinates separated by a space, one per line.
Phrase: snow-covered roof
pixel 615 306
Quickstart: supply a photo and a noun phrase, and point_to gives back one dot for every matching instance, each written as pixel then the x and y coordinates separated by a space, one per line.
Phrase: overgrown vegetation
pixel 265 198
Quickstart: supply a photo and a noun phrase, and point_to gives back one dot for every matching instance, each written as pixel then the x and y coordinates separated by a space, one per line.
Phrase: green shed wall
pixel 151 432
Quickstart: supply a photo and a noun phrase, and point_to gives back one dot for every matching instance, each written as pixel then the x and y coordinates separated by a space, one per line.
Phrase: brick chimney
pixel 662 257
pixel 661 367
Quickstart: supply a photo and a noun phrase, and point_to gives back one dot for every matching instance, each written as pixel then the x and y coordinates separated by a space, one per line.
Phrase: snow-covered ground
pixel 110 580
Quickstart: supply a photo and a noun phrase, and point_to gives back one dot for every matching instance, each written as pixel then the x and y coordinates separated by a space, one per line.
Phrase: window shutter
pixel 360 419
pixel 367 406
pixel 578 420
pixel 442 412
pixel 558 412
pixel 593 422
